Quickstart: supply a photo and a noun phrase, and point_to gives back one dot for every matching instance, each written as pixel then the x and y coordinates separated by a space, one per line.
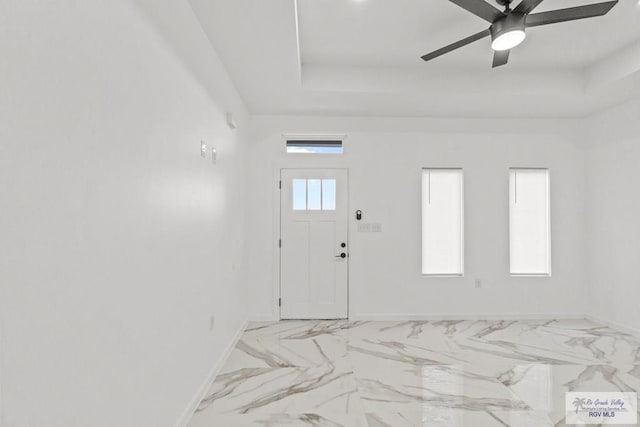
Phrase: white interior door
pixel 314 254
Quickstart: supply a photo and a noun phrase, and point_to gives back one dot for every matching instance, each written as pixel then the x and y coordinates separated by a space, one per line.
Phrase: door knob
pixel 342 255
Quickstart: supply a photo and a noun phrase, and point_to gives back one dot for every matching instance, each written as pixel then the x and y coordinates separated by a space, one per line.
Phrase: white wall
pixel 613 182
pixel 117 240
pixel 384 158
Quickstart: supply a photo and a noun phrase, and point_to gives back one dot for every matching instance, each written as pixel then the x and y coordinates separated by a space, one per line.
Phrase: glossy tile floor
pixel 416 373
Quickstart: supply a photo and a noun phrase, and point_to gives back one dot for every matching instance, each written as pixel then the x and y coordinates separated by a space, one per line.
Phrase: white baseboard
pixel 445 316
pixel 466 316
pixel 615 325
pixel 263 319
pixel 187 414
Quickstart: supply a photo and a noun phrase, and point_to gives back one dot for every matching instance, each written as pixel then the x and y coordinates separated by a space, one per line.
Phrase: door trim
pixel 278 187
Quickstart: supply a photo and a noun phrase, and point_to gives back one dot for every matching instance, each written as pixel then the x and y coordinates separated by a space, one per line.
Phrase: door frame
pixel 278 270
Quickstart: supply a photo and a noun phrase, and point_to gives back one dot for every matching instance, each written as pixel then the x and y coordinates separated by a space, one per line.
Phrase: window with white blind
pixel 529 222
pixel 442 222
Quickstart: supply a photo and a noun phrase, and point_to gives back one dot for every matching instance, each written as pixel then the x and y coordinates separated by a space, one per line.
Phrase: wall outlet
pixel 203 149
pixel 478 283
pixel 212 322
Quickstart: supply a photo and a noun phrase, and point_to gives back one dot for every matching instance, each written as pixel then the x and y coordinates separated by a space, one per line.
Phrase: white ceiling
pixel 362 57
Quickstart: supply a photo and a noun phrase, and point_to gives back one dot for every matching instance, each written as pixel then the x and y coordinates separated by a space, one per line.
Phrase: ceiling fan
pixel 507 28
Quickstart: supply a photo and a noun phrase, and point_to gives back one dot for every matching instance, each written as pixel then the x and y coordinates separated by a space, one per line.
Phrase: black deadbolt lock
pixel 343 245
pixel 358 214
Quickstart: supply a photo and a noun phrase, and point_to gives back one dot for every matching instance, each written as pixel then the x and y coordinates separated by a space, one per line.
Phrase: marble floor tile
pixel 278 420
pixel 416 373
pixel 543 387
pixel 459 418
pixel 327 388
pixel 432 394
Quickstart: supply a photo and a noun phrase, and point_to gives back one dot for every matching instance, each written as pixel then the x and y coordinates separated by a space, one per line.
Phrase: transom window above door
pixel 314 194
pixel 314 147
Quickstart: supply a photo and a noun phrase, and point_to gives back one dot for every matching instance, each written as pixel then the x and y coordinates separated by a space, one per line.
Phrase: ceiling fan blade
pixel 500 57
pixel 569 14
pixel 480 8
pixel 526 6
pixel 456 45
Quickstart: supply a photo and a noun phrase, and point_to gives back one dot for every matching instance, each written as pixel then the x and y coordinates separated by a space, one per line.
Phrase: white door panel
pixel 313 275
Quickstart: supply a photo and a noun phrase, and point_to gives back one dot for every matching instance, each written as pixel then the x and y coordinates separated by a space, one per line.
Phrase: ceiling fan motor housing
pixel 512 22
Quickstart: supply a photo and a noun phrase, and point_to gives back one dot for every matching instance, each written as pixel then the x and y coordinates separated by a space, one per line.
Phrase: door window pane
pixel 314 194
pixel 314 191
pixel 328 194
pixel 299 194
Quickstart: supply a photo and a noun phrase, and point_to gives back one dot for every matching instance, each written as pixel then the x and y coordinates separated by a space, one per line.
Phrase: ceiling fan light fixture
pixel 507 28
pixel 508 32
pixel 508 40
